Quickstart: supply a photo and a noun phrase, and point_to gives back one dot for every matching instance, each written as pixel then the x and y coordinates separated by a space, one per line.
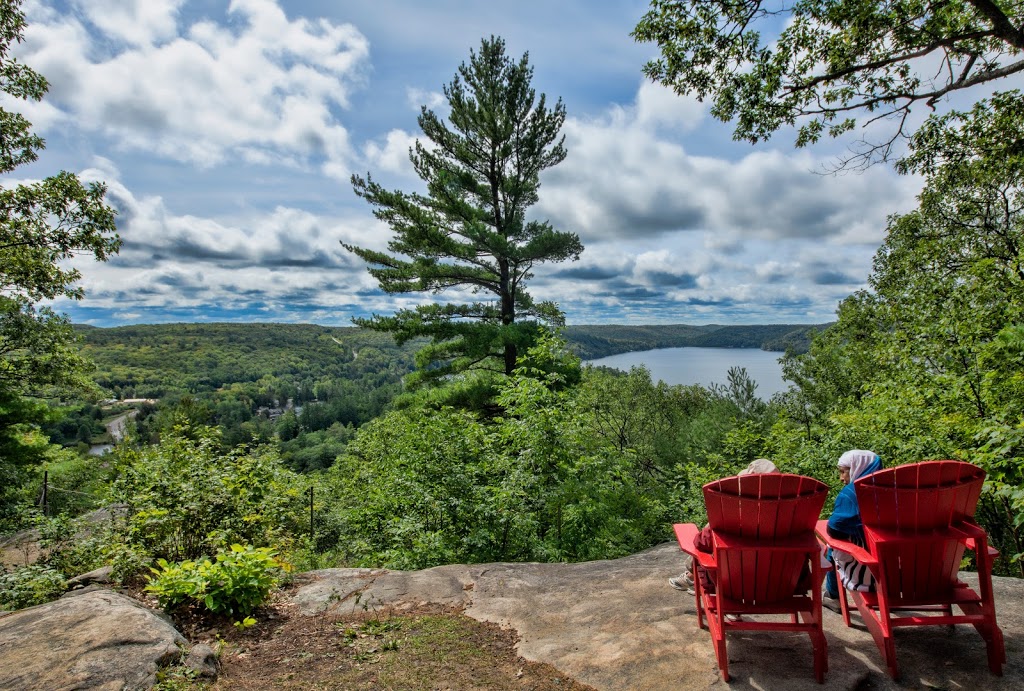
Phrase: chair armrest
pixel 970 533
pixel 855 551
pixel 686 534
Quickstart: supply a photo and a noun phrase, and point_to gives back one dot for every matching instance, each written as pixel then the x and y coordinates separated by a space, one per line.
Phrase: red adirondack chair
pixel 918 520
pixel 763 528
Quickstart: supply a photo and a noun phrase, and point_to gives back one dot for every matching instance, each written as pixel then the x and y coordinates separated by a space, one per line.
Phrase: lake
pixel 704 366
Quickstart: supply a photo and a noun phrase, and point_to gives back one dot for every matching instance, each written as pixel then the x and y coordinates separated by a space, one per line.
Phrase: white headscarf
pixel 762 466
pixel 857 461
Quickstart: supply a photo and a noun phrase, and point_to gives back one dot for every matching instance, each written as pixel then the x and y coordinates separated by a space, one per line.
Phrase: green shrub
pixel 420 487
pixel 128 563
pixel 71 546
pixel 77 483
pixel 187 498
pixel 235 584
pixel 30 585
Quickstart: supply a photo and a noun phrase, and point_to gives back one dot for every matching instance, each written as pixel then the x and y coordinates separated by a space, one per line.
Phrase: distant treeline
pixel 304 361
pixel 592 342
pixel 295 361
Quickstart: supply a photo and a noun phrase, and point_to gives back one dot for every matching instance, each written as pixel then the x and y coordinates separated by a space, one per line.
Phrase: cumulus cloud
pixel 660 106
pixel 258 105
pixel 393 154
pixel 674 236
pixel 135 22
pixel 177 261
pixel 621 179
pixel 259 87
pixel 433 100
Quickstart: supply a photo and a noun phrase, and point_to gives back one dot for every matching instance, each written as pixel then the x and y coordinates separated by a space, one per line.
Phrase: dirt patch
pixel 20 549
pixel 425 648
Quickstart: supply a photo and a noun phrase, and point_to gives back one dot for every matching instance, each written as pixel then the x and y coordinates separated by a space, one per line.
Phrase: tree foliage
pixel 42 225
pixel 926 364
pixel 470 231
pixel 822 63
pixel 593 471
pixel 185 497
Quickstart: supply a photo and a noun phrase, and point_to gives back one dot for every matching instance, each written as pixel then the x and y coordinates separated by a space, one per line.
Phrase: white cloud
pixel 658 105
pixel 433 100
pixel 393 155
pixel 260 87
pixel 136 22
pixel 172 261
pixel 680 224
pixel 621 179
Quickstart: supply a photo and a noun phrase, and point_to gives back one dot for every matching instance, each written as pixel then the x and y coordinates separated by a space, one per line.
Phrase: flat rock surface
pixel 95 640
pixel 618 625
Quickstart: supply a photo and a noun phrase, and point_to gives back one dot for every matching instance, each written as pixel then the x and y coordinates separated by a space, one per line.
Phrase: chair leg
pixel 844 604
pixel 723 657
pixel 996 652
pixel 716 625
pixel 878 625
pixel 699 596
pixel 992 635
pixel 890 656
pixel 820 647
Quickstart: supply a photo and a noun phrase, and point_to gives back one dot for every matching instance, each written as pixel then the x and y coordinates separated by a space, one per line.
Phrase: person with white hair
pixel 845 524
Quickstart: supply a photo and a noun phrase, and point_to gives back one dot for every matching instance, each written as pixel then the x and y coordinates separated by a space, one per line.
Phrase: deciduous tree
pixel 42 225
pixel 937 342
pixel 822 63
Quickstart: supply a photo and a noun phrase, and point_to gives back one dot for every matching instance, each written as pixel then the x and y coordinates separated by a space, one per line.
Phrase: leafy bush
pixel 543 481
pixel 30 585
pixel 71 546
pixel 187 498
pixel 234 585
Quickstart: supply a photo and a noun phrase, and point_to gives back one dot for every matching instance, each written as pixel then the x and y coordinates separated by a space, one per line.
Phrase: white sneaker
pixel 679 583
pixel 829 602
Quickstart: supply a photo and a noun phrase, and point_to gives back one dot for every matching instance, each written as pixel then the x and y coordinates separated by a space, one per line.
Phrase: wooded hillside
pixel 597 341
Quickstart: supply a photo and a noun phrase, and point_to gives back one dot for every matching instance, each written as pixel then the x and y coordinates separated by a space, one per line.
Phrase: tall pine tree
pixel 470 231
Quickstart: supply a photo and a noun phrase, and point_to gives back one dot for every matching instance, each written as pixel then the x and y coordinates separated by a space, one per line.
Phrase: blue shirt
pixel 845 516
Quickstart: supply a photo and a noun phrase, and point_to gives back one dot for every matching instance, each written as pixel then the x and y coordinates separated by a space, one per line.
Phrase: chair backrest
pixel 769 509
pixel 920 503
pixel 920 497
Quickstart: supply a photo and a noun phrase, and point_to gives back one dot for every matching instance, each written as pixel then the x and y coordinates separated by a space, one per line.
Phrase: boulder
pixel 101 575
pixel 203 661
pixel 95 640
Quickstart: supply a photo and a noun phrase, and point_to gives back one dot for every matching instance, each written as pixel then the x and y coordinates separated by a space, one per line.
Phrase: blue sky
pixel 227 132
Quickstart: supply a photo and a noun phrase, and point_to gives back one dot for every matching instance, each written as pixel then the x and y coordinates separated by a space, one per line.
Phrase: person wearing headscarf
pixel 704 541
pixel 845 524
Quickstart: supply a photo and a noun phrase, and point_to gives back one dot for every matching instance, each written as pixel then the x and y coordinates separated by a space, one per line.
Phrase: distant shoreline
pixel 588 341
